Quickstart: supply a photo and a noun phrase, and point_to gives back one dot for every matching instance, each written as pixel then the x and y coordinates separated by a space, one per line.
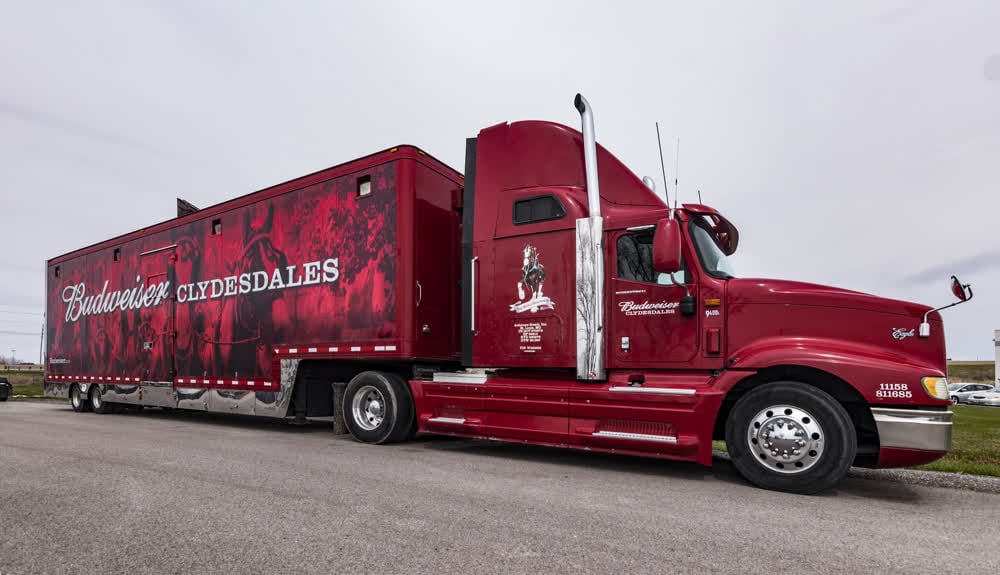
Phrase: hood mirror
pixel 962 291
pixel 667 246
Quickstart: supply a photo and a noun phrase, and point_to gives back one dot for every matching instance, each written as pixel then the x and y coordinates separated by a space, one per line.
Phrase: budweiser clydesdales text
pixel 79 304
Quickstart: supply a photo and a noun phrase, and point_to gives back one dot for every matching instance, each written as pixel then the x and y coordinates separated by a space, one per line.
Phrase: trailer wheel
pixel 97 403
pixel 76 400
pixel 790 437
pixel 377 407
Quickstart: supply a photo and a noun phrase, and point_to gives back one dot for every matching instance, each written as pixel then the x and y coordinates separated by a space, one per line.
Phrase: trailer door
pixel 155 333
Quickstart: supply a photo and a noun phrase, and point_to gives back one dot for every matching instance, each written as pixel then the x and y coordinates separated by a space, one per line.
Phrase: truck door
pixel 645 323
pixel 640 408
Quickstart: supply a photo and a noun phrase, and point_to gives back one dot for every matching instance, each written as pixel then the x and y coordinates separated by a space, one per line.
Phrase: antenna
pixel 677 170
pixel 666 188
pixel 699 196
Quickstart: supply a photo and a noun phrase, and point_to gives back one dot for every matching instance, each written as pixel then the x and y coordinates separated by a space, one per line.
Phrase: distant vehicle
pixel 985 398
pixel 6 389
pixel 960 392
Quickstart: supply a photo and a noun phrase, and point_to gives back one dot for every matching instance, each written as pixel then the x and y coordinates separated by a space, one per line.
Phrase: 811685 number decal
pixel 893 390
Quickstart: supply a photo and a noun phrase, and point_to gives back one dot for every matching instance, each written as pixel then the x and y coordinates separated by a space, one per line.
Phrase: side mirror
pixel 667 246
pixel 962 292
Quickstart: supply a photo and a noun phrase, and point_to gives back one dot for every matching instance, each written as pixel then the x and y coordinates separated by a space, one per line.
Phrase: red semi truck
pixel 548 296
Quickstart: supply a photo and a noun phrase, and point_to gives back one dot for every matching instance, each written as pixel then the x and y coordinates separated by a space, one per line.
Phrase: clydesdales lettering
pixel 79 304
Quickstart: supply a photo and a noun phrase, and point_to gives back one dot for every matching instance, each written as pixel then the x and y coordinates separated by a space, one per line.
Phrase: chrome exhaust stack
pixel 590 360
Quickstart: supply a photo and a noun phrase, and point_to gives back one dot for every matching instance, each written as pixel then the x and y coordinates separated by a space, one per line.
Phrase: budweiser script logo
pixel 79 304
pixel 647 308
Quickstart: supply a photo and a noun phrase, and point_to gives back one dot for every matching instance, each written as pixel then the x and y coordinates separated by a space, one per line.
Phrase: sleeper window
pixel 537 210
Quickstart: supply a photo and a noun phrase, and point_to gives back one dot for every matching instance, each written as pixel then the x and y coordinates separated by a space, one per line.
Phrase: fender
pixel 868 369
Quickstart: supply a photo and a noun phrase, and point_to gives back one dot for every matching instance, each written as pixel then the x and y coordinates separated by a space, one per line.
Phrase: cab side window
pixel 635 260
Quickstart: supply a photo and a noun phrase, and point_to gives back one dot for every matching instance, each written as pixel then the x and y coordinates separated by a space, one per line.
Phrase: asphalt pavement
pixel 181 492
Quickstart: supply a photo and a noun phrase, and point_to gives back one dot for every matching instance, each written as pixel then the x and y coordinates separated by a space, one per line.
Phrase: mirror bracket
pixel 966 294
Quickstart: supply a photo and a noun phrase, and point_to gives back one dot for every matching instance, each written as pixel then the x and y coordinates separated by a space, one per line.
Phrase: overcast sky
pixel 855 144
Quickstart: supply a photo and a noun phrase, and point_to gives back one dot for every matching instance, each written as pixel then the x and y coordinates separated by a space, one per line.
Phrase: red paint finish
pixel 214 294
pixel 512 333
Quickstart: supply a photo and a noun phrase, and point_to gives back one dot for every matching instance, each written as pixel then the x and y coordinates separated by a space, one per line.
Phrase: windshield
pixel 716 262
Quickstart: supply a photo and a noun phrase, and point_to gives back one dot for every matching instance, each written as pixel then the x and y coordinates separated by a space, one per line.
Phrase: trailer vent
pixel 216 227
pixel 364 186
pixel 118 254
pixel 57 271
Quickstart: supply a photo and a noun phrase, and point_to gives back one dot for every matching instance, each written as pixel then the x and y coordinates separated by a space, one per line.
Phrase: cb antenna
pixel 666 190
pixel 677 170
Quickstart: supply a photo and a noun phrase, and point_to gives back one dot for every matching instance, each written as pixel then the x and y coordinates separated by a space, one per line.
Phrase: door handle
pixel 472 295
pixel 420 294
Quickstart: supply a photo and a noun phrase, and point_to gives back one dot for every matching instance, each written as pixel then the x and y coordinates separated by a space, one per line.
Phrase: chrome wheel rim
pixel 74 397
pixel 785 439
pixel 96 401
pixel 368 407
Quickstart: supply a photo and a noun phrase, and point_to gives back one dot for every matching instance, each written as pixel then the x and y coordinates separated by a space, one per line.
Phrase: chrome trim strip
pixel 663 390
pixel 475 378
pixel 640 228
pixel 158 250
pixel 455 420
pixel 913 428
pixel 638 436
pixel 590 360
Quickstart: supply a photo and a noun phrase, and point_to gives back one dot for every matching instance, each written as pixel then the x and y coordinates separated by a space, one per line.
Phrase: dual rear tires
pixel 79 401
pixel 791 437
pixel 378 408
pixel 89 401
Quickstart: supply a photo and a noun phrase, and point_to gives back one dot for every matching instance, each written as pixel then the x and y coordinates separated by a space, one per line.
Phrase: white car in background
pixel 985 398
pixel 960 392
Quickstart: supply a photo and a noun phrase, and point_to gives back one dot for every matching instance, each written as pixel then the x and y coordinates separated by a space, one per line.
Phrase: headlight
pixel 936 387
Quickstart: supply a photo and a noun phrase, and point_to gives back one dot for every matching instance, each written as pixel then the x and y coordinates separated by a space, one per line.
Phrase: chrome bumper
pixel 913 428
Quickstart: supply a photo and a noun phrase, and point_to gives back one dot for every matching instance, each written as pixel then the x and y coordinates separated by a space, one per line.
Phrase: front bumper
pixel 913 429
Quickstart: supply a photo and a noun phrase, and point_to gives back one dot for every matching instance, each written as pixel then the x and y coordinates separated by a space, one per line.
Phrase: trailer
pixel 547 296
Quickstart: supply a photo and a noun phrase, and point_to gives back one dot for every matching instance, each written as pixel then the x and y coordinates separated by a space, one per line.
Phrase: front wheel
pixel 378 407
pixel 954 400
pixel 790 437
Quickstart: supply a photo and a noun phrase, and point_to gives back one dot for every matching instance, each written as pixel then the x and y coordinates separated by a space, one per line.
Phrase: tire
pixel 775 418
pixel 378 407
pixel 954 400
pixel 79 403
pixel 97 403
pixel 4 398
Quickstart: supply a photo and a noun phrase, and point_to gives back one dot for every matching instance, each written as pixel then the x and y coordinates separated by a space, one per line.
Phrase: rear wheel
pixel 954 399
pixel 76 399
pixel 97 403
pixel 378 408
pixel 790 437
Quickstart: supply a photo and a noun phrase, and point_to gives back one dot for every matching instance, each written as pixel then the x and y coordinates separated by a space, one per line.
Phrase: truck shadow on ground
pixel 722 470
